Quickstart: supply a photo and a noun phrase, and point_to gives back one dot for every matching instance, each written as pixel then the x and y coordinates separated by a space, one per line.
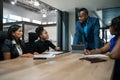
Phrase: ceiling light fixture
pixel 44 15
pixel 56 10
pixel 36 3
pixel 13 2
pixel 30 1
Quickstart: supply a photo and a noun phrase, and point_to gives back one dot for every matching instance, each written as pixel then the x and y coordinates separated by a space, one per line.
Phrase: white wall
pixel 52 31
pixel 71 27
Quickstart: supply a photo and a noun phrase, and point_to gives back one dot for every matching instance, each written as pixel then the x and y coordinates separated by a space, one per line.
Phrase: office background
pixel 62 18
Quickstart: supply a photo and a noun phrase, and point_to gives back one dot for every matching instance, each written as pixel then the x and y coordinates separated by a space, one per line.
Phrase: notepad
pixel 96 56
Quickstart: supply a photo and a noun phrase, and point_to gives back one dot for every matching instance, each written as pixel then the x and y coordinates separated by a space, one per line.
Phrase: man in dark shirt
pixel 43 44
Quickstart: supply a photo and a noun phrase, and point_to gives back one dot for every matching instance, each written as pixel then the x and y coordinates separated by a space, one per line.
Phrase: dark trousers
pixel 116 73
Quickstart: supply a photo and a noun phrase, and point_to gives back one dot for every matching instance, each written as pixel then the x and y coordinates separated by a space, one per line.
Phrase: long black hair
pixel 12 29
pixel 115 23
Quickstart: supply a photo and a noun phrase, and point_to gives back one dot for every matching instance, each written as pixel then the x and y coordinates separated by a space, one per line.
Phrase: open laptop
pixel 77 48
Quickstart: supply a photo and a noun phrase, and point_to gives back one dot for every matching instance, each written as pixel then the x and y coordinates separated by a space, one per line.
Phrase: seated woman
pixel 43 44
pixel 13 46
pixel 113 47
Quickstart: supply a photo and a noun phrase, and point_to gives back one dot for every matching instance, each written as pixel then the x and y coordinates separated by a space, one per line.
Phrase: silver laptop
pixel 78 48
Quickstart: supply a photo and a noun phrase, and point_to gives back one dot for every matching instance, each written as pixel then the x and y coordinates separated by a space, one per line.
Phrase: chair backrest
pixel 32 36
pixel 29 47
pixel 3 36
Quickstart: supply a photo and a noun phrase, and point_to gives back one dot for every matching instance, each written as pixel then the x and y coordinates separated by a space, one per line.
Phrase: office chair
pixel 29 47
pixel 3 36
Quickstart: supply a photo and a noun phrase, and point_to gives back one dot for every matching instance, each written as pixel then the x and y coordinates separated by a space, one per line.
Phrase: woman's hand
pixel 7 56
pixel 35 53
pixel 87 51
pixel 27 55
pixel 47 51
pixel 57 48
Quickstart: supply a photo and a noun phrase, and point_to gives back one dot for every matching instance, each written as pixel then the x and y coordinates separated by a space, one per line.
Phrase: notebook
pixel 95 58
pixel 50 54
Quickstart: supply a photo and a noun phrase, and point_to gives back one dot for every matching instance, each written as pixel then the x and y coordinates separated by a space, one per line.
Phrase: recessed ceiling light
pixel 36 3
pixel 56 10
pixel 13 2
pixel 44 15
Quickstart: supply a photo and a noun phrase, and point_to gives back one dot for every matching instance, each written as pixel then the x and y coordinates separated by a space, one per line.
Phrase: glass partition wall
pixel 30 27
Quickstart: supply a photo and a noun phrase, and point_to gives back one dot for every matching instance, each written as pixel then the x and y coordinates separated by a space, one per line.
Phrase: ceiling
pixel 43 12
pixel 70 5
pixel 29 4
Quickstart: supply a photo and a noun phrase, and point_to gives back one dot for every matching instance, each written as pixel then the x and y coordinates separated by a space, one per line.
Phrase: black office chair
pixel 29 47
pixel 3 36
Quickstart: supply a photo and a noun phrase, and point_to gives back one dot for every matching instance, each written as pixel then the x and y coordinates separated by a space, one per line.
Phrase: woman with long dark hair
pixel 113 47
pixel 13 46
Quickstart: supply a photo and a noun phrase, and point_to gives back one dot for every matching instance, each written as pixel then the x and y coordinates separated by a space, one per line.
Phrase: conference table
pixel 67 66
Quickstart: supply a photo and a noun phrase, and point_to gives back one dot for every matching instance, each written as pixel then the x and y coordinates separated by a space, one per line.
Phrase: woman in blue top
pixel 114 45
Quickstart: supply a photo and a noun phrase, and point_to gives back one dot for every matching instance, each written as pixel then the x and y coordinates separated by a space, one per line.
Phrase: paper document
pixel 44 56
pixel 54 52
pixel 96 56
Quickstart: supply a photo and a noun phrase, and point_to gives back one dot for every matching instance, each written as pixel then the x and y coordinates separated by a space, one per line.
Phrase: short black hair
pixel 12 29
pixel 83 9
pixel 39 30
pixel 115 23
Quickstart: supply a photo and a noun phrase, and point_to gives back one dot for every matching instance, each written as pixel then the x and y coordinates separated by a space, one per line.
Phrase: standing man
pixel 87 30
